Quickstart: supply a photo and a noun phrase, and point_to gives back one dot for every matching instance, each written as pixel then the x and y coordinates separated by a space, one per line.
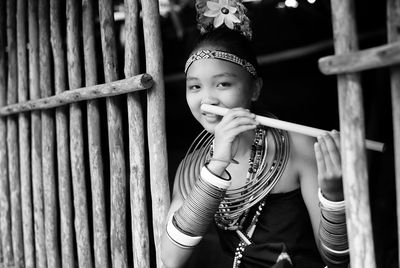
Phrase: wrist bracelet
pixel 215 180
pixel 328 204
pixel 179 238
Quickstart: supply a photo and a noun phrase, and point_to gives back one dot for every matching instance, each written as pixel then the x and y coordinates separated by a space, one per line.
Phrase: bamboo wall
pixel 73 135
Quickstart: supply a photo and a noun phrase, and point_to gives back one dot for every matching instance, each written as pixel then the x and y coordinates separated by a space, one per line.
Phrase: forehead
pixel 203 68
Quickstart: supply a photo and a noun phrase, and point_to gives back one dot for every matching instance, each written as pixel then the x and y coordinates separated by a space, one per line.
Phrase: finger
pixel 326 156
pixel 336 137
pixel 333 150
pixel 238 121
pixel 239 112
pixel 320 159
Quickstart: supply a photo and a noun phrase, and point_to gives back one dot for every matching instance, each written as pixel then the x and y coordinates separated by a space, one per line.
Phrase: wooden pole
pixel 12 138
pixel 100 233
pixel 354 162
pixel 371 58
pixel 76 139
pixel 156 122
pixel 5 223
pixel 24 138
pixel 139 82
pixel 63 158
pixel 140 231
pixel 48 140
pixel 115 141
pixel 36 134
pixel 393 24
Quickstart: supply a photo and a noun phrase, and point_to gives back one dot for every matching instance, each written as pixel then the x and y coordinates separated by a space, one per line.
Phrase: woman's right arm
pixel 172 255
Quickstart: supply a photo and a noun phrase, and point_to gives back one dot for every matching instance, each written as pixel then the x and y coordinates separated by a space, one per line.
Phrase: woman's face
pixel 217 82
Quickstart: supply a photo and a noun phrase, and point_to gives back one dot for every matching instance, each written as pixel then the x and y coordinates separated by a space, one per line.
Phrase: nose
pixel 209 98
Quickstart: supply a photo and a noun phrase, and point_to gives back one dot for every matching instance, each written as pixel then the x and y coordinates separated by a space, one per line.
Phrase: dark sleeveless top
pixel 284 225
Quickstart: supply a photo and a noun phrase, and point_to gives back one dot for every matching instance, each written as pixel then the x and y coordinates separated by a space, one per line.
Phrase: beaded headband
pixel 221 55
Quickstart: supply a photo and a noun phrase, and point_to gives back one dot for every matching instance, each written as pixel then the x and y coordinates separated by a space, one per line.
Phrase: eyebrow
pixel 225 74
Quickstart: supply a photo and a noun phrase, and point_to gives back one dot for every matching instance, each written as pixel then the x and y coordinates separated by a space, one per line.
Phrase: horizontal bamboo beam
pixel 139 82
pixel 377 57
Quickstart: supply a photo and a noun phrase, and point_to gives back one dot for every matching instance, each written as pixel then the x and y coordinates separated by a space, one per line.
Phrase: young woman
pixel 275 197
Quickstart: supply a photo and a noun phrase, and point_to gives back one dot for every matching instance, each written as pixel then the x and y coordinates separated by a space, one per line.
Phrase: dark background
pixel 296 91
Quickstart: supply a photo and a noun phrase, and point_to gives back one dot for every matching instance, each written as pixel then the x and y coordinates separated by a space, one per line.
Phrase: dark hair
pixel 230 41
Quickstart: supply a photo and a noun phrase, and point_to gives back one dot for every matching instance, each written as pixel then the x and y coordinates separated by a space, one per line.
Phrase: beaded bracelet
pixel 179 238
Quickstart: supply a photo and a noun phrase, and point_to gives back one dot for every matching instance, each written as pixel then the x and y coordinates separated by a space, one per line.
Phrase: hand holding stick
pixel 275 123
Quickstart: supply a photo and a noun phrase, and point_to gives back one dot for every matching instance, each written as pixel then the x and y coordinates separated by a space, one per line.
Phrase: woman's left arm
pixel 320 171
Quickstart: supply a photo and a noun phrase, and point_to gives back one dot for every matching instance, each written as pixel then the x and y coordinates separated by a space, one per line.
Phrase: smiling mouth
pixel 210 117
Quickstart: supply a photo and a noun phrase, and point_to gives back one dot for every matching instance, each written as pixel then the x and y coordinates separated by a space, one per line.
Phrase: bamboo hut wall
pixel 115 140
pixel 48 140
pixel 156 122
pixel 139 219
pixel 96 166
pixel 393 24
pixel 5 222
pixel 355 177
pixel 63 156
pixel 36 151
pixel 76 139
pixel 12 138
pixel 24 137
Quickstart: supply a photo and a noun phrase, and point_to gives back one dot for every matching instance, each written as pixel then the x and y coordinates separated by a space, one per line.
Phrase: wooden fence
pixel 72 166
pixel 347 64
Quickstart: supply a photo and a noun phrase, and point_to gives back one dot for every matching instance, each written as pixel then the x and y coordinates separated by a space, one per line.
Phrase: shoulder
pixel 187 171
pixel 302 151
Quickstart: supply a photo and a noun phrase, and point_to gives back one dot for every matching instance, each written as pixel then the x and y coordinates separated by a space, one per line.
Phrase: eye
pixel 224 84
pixel 193 87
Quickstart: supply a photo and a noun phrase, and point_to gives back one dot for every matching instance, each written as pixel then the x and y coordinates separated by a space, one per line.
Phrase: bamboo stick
pixel 139 82
pixel 275 123
pixel 36 134
pixel 12 138
pixel 115 141
pixel 100 233
pixel 355 176
pixel 393 24
pixel 48 140
pixel 63 158
pixel 76 140
pixel 376 57
pixel 5 221
pixel 140 231
pixel 24 138
pixel 156 122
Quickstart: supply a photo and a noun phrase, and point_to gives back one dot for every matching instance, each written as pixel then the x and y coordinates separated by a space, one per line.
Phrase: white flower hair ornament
pixel 222 12
pixel 214 14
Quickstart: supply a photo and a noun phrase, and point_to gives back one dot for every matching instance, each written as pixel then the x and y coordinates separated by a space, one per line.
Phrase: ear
pixel 257 86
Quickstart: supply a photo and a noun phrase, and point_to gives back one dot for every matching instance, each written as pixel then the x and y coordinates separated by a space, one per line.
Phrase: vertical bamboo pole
pixel 156 121
pixel 63 159
pixel 140 232
pixel 354 162
pixel 115 140
pixel 393 24
pixel 48 139
pixel 4 184
pixel 24 143
pixel 101 256
pixel 12 138
pixel 36 134
pixel 76 139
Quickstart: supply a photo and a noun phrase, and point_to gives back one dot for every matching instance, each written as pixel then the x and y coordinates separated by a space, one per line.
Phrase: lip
pixel 210 118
